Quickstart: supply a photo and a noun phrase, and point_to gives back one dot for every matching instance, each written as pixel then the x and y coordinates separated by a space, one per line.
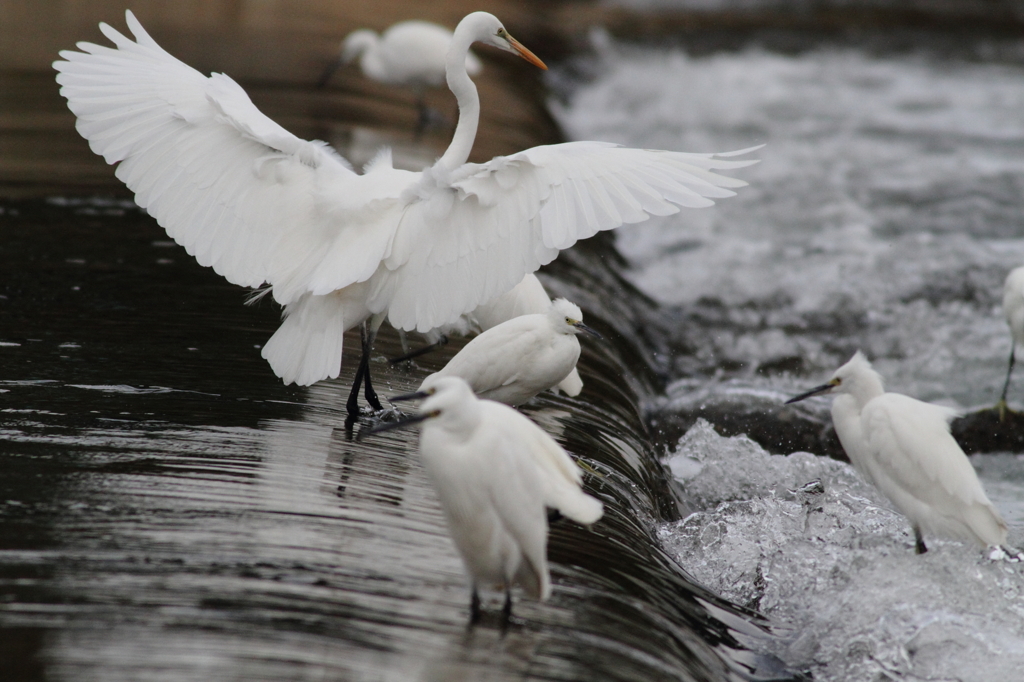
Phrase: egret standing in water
pixel 903 447
pixel 517 359
pixel 496 474
pixel 339 249
pixel 526 298
pixel 1013 308
pixel 409 54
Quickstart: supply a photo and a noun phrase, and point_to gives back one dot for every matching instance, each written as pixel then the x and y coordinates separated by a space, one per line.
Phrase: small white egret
pixel 496 474
pixel 409 54
pixel 517 359
pixel 338 249
pixel 1013 308
pixel 526 298
pixel 903 447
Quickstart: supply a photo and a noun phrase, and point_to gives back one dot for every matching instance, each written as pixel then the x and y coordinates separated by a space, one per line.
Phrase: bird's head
pixel 567 318
pixel 356 43
pixel 486 28
pixel 856 377
pixel 446 399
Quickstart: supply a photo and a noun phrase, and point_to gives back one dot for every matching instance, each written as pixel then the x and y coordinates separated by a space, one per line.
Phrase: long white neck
pixel 466 95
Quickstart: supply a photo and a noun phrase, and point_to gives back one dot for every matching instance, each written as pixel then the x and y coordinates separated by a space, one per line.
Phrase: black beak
pixel 584 328
pixel 388 426
pixel 418 395
pixel 328 72
pixel 824 388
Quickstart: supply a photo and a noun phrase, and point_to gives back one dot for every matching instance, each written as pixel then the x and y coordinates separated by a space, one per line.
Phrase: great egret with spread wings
pixel 340 249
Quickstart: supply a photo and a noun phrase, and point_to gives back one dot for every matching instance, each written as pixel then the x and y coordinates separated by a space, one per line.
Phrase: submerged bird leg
pixel 474 607
pixel 506 610
pixel 919 546
pixel 420 351
pixel 368 332
pixel 1001 405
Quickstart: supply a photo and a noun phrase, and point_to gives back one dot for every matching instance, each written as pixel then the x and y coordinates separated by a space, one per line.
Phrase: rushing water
pixel 884 216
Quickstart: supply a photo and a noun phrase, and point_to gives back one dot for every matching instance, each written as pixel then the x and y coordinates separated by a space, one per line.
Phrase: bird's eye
pixel 568 320
pixel 501 33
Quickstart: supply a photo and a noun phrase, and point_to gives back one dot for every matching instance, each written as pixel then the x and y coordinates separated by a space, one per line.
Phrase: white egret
pixel 519 358
pixel 526 298
pixel 339 249
pixel 1013 308
pixel 409 54
pixel 903 447
pixel 496 474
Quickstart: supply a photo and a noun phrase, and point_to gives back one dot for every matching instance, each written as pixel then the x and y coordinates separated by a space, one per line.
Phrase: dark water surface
pixel 169 510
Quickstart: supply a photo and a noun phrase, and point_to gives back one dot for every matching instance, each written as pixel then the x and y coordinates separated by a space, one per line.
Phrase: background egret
pixel 526 298
pixel 1013 308
pixel 496 473
pixel 518 359
pixel 903 446
pixel 409 54
pixel 339 249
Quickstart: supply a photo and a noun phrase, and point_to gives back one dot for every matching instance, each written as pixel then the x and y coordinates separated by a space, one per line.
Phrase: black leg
pixel 1001 405
pixel 353 397
pixel 919 545
pixel 474 607
pixel 422 117
pixel 419 351
pixel 368 337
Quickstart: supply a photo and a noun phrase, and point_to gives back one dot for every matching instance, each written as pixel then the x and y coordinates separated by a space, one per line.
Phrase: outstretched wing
pixel 238 191
pixel 471 237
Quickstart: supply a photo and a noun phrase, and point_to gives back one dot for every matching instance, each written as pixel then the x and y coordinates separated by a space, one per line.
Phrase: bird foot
pixel 1005 553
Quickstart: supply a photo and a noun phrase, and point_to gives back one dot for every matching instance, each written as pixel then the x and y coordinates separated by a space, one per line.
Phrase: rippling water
pixel 169 510
pixel 884 216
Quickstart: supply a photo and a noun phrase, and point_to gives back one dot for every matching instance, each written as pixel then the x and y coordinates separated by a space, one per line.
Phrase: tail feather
pixel 579 506
pixel 307 346
pixel 572 384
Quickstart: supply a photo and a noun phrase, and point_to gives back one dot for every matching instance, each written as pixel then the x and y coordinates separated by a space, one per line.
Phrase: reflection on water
pixel 169 510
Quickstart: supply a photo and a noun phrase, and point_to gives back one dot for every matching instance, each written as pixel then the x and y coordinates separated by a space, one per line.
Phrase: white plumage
pixel 1013 309
pixel 496 473
pixel 408 54
pixel 261 206
pixel 517 359
pixel 903 447
pixel 526 298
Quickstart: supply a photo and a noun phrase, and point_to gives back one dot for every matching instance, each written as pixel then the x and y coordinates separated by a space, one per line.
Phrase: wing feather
pixel 238 191
pixel 526 207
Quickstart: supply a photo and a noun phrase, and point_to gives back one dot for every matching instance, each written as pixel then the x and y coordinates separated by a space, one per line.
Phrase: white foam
pixel 805 540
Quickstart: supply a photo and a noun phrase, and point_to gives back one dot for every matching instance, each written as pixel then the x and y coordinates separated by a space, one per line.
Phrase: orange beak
pixel 526 54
